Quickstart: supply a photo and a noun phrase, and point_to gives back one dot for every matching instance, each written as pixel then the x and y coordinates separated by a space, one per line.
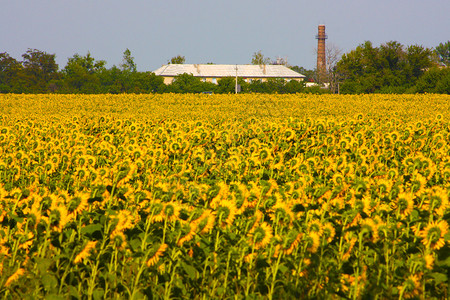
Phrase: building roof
pixel 248 71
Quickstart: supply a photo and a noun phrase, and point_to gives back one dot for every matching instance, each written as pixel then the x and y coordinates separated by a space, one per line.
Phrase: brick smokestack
pixel 321 60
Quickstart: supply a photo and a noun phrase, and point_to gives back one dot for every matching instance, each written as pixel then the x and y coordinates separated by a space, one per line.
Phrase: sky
pixel 217 31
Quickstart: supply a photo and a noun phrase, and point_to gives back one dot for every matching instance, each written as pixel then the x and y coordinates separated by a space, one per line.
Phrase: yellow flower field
pixel 224 196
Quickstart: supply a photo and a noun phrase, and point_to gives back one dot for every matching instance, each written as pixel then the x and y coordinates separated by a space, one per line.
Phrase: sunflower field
pixel 224 196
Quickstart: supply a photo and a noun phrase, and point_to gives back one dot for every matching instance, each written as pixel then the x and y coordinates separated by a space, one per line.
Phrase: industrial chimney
pixel 321 60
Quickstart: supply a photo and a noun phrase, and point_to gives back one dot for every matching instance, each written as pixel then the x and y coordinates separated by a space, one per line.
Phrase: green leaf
pixel 91 228
pixel 49 282
pixel 283 269
pixel 54 297
pixel 98 294
pixel 43 264
pixel 190 270
pixel 444 263
pixel 135 244
pixel 439 278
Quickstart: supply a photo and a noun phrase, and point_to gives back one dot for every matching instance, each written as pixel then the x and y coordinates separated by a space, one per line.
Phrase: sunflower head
pixel 262 235
pixel 411 288
pixel 433 234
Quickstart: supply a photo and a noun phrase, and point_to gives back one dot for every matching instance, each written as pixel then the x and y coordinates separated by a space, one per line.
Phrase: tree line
pixel 389 68
pixel 393 68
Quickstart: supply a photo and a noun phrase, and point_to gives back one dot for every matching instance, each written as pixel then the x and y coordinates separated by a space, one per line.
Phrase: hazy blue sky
pixel 223 32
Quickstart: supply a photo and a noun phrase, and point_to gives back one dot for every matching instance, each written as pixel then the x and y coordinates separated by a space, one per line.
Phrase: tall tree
pixel 418 59
pixel 39 69
pixel 81 74
pixel 10 69
pixel 390 68
pixel 333 54
pixel 443 53
pixel 259 59
pixel 128 63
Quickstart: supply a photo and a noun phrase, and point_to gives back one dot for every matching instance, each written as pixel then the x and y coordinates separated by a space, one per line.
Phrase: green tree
pixel 185 83
pixel 39 68
pixel 259 59
pixel 390 68
pixel 435 80
pixel 81 74
pixel 227 85
pixel 294 86
pixel 128 63
pixel 10 69
pixel 443 53
pixel 177 60
pixel 309 74
pixel 418 59
pixel 147 82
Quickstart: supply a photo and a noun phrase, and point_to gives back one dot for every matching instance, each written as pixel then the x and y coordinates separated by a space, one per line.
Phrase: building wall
pixel 168 80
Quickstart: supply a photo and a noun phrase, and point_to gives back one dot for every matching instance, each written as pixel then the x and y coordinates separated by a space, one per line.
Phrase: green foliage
pixel 227 85
pixel 187 83
pixel 434 80
pixel 259 59
pixel 443 53
pixel 177 60
pixel 10 69
pixel 389 68
pixel 310 74
pixel 128 63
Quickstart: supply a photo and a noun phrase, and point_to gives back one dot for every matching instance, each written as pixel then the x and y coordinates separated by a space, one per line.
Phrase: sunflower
pixel 313 241
pixel 171 211
pixel 411 288
pixel 156 211
pixel 282 213
pixel 206 221
pixel 418 183
pixel 15 276
pixel 338 179
pixel 329 232
pixel 315 226
pixel 289 134
pixel 153 260
pixel 59 216
pixel 79 202
pixel 292 240
pixel 429 261
pixel 119 239
pixel 437 201
pixel 433 234
pixel 85 252
pixel 384 186
pixel 125 221
pixel 262 235
pixel 404 204
pixel 190 228
pixel 226 212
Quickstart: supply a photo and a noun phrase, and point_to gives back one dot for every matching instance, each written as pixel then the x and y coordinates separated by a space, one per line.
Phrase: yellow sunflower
pixel 411 288
pixel 85 252
pixel 226 212
pixel 282 213
pixel 404 204
pixel 153 260
pixel 433 234
pixel 313 240
pixel 171 211
pixel 262 235
pixel 437 201
pixel 329 232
